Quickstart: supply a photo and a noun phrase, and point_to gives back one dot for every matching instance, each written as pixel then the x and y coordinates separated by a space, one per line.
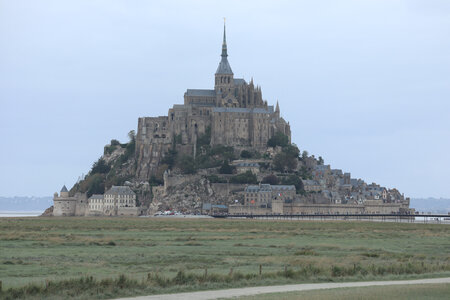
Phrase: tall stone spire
pixel 224 66
pixel 224 44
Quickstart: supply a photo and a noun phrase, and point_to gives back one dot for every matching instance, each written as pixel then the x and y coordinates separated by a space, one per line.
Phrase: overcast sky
pixel 364 84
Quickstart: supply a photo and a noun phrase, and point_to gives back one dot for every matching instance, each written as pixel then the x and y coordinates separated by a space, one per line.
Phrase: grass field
pixel 397 292
pixel 158 255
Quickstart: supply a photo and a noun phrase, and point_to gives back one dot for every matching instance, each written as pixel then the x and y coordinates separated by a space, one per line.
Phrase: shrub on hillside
pixel 215 179
pixel 294 180
pixel 245 178
pixel 204 139
pixel 169 158
pixel 186 164
pixel 226 168
pixel 96 184
pixel 271 179
pixel 100 167
pixel 287 159
pixel 279 139
pixel 246 154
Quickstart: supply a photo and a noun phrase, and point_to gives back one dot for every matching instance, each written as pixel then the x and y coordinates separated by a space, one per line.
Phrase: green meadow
pixel 397 292
pixel 110 257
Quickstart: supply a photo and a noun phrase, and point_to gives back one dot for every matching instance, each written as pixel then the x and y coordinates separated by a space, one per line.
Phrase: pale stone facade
pixel 263 195
pixel 96 205
pixel 117 201
pixel 280 207
pixel 120 201
pixel 282 199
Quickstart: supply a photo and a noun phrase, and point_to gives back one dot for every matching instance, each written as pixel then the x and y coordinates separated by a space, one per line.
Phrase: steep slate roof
pixel 224 67
pixel 258 188
pixel 244 110
pixel 248 165
pixel 96 196
pixel 239 81
pixel 64 189
pixel 120 190
pixel 322 167
pixel 283 187
pixel 309 182
pixel 200 93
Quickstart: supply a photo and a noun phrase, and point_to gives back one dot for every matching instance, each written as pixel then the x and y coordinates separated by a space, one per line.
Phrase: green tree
pixel 170 158
pixel 178 139
pixel 245 178
pixel 291 150
pixel 246 154
pixel 132 135
pixel 100 167
pixel 215 179
pixel 115 142
pixel 279 139
pixel 223 152
pixel 226 168
pixel 130 149
pixel 96 185
pixel 284 162
pixel 305 154
pixel 186 164
pixel 204 139
pixel 294 180
pixel 305 173
pixel 320 162
pixel 271 179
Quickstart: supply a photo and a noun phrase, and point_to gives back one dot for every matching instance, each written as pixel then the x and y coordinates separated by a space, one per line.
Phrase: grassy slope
pixel 398 292
pixel 36 249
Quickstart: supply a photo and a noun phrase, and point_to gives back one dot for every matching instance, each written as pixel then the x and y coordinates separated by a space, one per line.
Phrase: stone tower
pixel 64 205
pixel 224 75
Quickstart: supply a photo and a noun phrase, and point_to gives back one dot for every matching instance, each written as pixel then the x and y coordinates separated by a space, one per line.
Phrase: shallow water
pixel 10 214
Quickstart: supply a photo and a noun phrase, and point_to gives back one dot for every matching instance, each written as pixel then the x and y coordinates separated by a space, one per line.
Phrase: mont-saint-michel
pixel 224 150
pixel 273 158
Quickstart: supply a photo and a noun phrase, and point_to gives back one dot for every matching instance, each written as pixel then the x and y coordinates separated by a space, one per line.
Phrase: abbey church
pixel 234 112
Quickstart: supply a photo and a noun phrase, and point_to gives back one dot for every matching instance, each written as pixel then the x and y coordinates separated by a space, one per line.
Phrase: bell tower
pixel 224 75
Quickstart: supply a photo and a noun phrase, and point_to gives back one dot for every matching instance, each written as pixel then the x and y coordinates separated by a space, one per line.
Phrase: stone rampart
pixel 224 189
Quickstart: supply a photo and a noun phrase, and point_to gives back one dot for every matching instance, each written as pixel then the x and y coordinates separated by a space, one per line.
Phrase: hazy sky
pixel 364 84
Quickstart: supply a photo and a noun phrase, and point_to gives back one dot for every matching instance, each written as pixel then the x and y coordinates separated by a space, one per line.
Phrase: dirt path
pixel 229 293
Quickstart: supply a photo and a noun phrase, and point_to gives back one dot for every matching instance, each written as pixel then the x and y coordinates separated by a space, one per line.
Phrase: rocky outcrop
pixel 190 195
pixel 48 212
